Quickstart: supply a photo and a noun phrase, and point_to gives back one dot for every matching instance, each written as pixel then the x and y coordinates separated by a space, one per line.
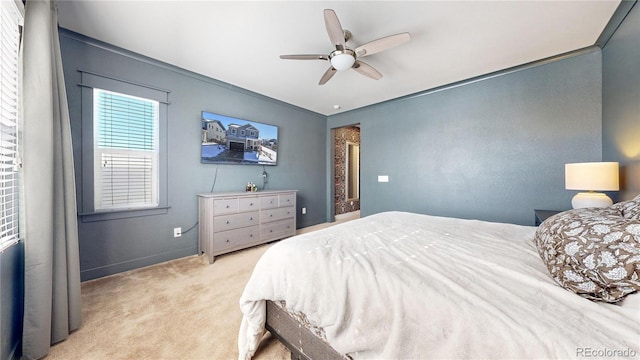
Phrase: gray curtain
pixel 52 304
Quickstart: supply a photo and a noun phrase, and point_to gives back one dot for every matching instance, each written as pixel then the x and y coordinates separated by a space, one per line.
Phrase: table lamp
pixel 592 177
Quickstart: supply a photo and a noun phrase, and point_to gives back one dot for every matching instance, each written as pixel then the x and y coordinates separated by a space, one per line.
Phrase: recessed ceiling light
pixel 336 107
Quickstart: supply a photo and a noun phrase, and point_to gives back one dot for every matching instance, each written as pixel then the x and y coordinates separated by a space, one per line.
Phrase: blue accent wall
pixel 113 246
pixel 621 103
pixel 492 149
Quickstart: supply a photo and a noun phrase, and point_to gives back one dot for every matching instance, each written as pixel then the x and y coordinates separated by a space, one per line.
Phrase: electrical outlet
pixel 177 232
pixel 304 210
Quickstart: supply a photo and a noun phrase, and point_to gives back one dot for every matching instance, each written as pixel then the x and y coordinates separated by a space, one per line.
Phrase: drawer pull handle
pixel 270 231
pixel 251 218
pixel 227 240
pixel 227 206
pixel 271 202
pixel 228 222
pixel 270 215
pixel 250 235
pixel 250 204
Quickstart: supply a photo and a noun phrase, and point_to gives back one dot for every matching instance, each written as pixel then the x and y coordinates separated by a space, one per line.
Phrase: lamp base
pixel 590 199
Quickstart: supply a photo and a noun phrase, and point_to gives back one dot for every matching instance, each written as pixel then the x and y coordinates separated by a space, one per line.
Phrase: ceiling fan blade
pixel 334 29
pixel 382 44
pixel 327 75
pixel 367 70
pixel 305 57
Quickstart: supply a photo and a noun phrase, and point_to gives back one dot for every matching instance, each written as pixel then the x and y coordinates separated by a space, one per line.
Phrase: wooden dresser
pixel 237 220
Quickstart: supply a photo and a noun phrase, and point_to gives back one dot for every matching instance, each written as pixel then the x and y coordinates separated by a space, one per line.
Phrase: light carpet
pixel 181 309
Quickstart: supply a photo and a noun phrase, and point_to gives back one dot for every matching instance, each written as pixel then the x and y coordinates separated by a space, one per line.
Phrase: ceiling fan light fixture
pixel 342 59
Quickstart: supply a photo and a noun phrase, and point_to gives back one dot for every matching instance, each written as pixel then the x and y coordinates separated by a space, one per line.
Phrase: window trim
pixel 86 204
pixel 14 11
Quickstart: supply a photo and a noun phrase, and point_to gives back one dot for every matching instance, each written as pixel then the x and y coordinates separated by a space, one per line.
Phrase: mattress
pixel 403 285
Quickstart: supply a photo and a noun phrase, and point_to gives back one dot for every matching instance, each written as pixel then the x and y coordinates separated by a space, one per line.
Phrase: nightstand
pixel 542 215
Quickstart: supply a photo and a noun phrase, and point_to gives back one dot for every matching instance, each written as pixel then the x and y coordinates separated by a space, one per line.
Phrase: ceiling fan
pixel 343 57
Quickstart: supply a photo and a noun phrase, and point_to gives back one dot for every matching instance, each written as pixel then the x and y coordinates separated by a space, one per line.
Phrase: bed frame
pixel 303 344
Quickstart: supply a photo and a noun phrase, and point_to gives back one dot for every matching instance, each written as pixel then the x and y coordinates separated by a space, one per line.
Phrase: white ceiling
pixel 239 42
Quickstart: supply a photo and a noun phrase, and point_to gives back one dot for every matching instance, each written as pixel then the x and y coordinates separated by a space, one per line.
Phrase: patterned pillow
pixel 629 209
pixel 594 252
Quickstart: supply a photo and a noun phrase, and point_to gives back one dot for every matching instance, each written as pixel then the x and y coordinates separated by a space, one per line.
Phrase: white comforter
pixel 407 286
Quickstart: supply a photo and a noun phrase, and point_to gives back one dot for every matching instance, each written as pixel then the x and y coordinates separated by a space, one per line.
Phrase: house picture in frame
pixel 229 140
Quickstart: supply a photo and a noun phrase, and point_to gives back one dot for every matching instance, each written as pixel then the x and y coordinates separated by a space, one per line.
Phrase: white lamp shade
pixel 592 176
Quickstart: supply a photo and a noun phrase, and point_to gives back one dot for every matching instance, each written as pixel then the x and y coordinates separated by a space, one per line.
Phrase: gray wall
pixel 621 103
pixel 11 300
pixel 493 149
pixel 108 247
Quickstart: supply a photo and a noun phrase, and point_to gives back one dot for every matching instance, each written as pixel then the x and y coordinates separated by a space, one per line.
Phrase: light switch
pixel 383 178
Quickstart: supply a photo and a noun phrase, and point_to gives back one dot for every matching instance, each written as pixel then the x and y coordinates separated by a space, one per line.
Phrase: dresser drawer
pixel 269 202
pixel 287 199
pixel 277 230
pixel 225 206
pixel 248 204
pixel 230 240
pixel 234 221
pixel 276 214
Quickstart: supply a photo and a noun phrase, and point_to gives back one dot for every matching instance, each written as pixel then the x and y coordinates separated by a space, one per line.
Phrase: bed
pixel 399 285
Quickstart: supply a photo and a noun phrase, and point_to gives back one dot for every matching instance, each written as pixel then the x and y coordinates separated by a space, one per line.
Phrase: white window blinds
pixel 125 151
pixel 10 23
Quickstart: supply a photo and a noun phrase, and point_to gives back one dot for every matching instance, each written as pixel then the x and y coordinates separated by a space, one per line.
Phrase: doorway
pixel 346 143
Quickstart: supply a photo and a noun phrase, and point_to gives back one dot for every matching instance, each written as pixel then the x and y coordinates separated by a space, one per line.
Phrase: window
pixel 125 151
pixel 124 148
pixel 10 21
